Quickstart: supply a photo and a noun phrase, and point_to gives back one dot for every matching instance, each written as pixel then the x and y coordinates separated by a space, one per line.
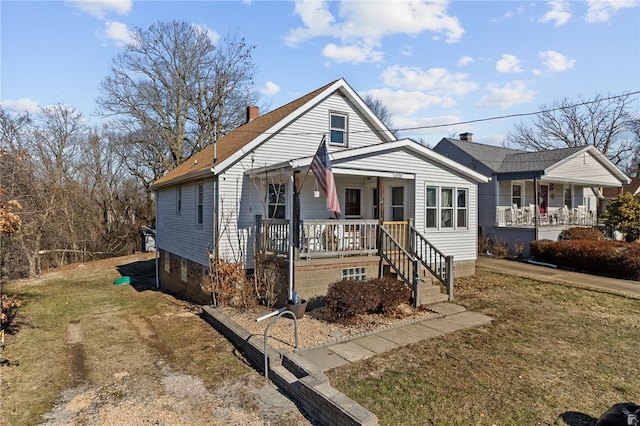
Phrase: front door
pixel 544 201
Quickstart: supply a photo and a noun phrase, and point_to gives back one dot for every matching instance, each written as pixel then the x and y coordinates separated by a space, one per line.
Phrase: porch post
pixel 295 217
pixel 380 207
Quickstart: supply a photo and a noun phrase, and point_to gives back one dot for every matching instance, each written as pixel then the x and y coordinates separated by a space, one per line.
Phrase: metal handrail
pixel 436 262
pixel 266 330
pixel 401 261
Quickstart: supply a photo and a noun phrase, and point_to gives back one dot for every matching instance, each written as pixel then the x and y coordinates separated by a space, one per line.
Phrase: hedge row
pixel 347 299
pixel 609 258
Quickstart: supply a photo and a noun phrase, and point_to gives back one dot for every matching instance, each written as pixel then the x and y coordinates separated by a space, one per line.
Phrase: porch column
pixel 295 216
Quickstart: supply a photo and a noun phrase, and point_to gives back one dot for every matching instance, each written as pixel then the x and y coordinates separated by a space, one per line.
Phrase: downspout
pixel 155 195
pixel 536 213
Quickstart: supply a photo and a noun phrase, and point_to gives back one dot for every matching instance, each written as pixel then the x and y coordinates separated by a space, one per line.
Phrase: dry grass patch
pixel 551 350
pixel 90 352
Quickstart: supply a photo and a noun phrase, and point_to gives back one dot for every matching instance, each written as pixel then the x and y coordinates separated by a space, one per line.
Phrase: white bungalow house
pixel 406 209
pixel 534 195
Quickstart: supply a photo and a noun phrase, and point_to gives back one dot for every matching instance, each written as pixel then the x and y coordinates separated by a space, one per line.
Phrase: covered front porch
pixel 537 203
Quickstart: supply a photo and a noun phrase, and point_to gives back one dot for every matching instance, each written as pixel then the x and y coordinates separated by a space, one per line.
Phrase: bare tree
pixel 173 91
pixel 633 163
pixel 380 110
pixel 65 184
pixel 602 122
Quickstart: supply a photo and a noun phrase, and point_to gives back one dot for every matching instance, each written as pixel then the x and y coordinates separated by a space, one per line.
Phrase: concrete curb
pixel 298 378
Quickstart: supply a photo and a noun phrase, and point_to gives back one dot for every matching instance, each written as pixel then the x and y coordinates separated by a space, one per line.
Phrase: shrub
pixel 623 214
pixel 347 299
pixel 610 258
pixel 581 233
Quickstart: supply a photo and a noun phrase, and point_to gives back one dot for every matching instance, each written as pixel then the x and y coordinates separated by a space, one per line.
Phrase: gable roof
pixel 510 161
pixel 408 144
pixel 242 140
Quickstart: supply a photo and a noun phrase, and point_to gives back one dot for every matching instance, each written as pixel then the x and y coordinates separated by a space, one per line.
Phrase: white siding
pixel 178 232
pixel 584 168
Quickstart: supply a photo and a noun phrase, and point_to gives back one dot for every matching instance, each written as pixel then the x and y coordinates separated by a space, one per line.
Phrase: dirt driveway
pixel 116 355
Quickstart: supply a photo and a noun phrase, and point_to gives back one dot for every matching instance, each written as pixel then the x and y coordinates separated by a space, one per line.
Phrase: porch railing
pixel 528 216
pixel 321 238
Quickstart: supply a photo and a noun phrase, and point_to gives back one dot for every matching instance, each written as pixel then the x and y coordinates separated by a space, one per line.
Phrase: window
pixel 374 209
pixel 568 197
pixel 432 207
pixel 446 208
pixel 516 195
pixel 178 199
pixel 352 202
pixel 183 270
pixel 200 202
pixel 444 211
pixel 338 128
pixel 276 201
pixel 462 209
pixel 397 203
pixel 355 274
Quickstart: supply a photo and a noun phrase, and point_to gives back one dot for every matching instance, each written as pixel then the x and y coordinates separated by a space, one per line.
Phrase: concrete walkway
pixel 552 274
pixel 454 317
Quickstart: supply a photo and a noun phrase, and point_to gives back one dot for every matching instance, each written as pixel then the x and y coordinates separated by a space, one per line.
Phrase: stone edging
pixel 298 378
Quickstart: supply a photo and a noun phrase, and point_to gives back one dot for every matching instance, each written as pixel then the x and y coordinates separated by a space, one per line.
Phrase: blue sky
pixel 431 64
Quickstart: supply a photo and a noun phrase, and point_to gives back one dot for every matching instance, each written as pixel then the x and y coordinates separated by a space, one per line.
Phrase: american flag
pixel 321 168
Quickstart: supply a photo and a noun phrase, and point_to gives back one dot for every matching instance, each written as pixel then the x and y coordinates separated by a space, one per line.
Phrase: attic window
pixel 338 128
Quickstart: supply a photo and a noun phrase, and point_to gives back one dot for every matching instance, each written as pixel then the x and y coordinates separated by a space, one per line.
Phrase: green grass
pixel 550 350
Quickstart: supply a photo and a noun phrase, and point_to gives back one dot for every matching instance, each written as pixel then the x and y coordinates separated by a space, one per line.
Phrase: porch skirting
pixel 312 277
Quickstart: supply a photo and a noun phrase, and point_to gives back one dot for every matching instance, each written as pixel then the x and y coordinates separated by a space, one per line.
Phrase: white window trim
pixel 438 208
pixel 345 130
pixel 199 203
pixel 178 199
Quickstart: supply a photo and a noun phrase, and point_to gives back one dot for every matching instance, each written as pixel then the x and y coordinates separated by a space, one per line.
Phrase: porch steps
pixel 431 293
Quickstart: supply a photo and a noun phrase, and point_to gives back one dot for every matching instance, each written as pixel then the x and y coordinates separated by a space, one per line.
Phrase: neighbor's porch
pixel 538 203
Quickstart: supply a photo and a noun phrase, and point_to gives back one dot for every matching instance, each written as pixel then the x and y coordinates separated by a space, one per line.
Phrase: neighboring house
pixel 405 209
pixel 534 195
pixel 609 194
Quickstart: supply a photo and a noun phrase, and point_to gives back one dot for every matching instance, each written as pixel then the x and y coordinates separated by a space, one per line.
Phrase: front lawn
pixel 551 352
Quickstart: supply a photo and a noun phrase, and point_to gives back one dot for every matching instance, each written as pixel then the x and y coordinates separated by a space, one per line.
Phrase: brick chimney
pixel 252 112
pixel 466 137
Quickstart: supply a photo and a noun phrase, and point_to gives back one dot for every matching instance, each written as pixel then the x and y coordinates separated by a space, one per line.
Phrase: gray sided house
pixel 406 210
pixel 534 195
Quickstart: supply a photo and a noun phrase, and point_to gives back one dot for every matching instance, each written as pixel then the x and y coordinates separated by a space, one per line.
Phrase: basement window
pixel 359 273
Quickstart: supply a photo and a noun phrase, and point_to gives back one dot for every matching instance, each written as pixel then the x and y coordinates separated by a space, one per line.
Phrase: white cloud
pixel 353 54
pixel 419 126
pixel 556 62
pixel 407 50
pixel 464 61
pixel 360 26
pixel 100 8
pixel 270 88
pixel 116 32
pixel 438 80
pixel 506 96
pixel 404 102
pixel 559 14
pixel 508 64
pixel 21 105
pixel 602 10
pixel 213 36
